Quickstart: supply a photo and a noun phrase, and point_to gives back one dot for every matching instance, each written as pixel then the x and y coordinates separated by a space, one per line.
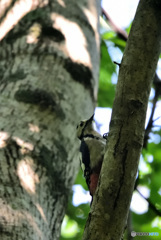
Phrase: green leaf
pixel 106 88
pixel 81 180
pixel 119 43
pixel 69 228
pixel 108 35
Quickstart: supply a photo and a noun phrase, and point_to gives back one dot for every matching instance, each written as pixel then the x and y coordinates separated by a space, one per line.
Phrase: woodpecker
pixel 92 151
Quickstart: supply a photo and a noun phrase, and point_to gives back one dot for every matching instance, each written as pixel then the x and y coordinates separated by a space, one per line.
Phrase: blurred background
pixel 145 210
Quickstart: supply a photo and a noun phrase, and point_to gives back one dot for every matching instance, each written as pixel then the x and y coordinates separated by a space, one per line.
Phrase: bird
pixel 92 149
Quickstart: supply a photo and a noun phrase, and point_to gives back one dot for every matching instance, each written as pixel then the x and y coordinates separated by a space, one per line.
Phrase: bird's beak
pixel 91 118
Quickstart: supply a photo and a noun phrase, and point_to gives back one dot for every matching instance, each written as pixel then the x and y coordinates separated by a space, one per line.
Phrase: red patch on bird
pixel 93 183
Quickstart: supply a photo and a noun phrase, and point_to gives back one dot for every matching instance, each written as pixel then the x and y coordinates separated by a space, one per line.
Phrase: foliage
pixel 149 172
pixel 106 88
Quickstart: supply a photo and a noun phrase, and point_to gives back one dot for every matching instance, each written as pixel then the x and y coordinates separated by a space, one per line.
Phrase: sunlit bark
pixel 49 72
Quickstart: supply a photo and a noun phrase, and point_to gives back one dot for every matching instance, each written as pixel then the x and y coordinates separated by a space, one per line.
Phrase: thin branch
pixel 119 64
pixel 151 205
pixel 121 33
pixel 150 125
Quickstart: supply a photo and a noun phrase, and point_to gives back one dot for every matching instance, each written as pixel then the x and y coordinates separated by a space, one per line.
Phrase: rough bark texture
pixel 48 74
pixel 109 210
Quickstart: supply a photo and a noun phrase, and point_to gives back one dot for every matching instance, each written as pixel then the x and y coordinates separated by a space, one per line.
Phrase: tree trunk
pixel 49 73
pixel 110 207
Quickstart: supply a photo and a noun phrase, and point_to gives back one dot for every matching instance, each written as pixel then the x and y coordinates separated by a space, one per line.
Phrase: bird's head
pixel 84 127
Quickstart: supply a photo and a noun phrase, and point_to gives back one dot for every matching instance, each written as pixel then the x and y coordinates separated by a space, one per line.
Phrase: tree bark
pixel 48 81
pixel 110 207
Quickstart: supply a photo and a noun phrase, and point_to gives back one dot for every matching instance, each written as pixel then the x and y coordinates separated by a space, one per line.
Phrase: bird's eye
pixel 81 124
